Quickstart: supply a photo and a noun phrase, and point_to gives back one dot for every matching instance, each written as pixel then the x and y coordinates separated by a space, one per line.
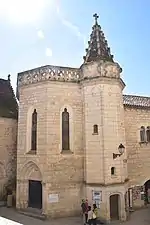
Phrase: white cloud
pixel 70 25
pixel 73 28
pixel 40 34
pixel 48 52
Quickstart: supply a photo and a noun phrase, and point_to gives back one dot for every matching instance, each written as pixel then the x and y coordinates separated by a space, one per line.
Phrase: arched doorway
pixel 2 180
pixel 114 207
pixel 147 192
pixel 31 173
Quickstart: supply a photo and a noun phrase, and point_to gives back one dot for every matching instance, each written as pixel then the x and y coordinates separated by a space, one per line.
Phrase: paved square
pixel 141 217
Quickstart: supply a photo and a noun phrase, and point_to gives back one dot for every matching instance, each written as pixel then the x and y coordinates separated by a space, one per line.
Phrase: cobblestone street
pixel 141 217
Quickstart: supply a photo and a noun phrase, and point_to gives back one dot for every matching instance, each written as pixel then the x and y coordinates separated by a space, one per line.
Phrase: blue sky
pixel 40 32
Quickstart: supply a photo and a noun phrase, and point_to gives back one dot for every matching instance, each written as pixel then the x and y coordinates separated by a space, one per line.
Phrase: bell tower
pixel 104 136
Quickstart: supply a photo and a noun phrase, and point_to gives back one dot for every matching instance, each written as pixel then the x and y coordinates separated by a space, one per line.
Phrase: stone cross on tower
pixel 96 17
pixel 9 77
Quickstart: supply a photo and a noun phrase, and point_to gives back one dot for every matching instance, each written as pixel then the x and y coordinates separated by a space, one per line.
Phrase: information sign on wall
pixel 97 198
pixel 53 198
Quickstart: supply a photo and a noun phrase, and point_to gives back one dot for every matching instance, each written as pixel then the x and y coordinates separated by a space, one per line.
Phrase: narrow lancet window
pixel 65 130
pixel 34 131
pixel 148 134
pixel 142 134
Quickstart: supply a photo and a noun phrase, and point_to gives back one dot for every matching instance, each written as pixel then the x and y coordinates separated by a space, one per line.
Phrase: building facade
pixel 8 138
pixel 80 137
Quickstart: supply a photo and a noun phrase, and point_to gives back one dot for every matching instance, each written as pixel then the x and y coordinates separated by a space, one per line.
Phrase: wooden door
pixel 114 207
pixel 35 194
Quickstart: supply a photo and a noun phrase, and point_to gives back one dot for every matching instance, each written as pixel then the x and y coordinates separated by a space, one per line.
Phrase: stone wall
pixel 65 167
pixel 103 106
pixel 8 152
pixel 61 171
pixel 138 153
pixel 107 191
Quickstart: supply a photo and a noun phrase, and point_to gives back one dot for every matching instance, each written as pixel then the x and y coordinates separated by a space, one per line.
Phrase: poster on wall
pixel 97 198
pixel 53 198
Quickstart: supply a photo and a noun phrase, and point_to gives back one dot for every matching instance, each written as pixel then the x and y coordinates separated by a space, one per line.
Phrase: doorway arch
pixel 147 192
pixel 114 201
pixel 31 173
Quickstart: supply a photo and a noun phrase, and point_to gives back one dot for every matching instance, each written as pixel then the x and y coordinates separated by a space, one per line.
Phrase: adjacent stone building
pixel 80 137
pixel 8 137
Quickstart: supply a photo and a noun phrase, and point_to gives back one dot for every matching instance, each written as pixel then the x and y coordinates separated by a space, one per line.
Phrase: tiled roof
pixel 8 103
pixel 136 101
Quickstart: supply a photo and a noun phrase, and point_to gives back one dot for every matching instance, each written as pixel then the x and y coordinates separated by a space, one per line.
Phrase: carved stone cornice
pixel 100 68
pixel 109 69
pixel 51 73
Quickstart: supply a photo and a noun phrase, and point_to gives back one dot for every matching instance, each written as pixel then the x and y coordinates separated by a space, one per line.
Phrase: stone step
pixel 100 221
pixel 34 214
pixel 3 203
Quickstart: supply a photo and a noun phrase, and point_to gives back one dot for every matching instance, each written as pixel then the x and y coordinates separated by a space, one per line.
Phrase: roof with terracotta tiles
pixel 136 101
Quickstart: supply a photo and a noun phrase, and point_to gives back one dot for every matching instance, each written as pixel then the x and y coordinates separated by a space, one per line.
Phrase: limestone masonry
pixel 79 137
pixel 8 137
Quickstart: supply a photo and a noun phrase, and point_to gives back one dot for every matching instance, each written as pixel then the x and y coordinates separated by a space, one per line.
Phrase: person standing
pixel 86 211
pixel 83 206
pixel 95 214
pixel 90 215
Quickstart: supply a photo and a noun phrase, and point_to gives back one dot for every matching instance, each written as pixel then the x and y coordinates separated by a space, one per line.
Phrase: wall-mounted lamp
pixel 121 149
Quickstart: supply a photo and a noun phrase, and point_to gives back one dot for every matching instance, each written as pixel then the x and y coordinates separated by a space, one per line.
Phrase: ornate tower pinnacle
pixel 96 17
pixel 98 47
pixel 9 77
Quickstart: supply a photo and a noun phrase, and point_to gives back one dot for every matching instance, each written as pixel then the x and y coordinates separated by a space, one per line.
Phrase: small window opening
pixel 148 134
pixel 95 129
pixel 142 134
pixel 112 170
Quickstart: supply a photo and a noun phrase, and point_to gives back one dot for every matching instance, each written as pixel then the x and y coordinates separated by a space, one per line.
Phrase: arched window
pixel 142 134
pixel 148 134
pixel 65 130
pixel 95 129
pixel 112 170
pixel 34 131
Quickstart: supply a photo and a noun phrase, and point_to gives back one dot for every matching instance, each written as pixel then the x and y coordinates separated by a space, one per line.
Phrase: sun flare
pixel 22 11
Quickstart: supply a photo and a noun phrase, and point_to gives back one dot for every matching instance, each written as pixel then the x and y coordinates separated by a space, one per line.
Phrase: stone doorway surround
pixel 30 171
pixel 147 192
pixel 3 179
pixel 114 206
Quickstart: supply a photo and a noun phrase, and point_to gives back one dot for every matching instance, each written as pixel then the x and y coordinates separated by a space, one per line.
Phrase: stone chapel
pixel 79 137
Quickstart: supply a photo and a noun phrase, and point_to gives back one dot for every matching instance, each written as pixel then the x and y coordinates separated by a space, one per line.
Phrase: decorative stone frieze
pixel 51 73
pixel 65 74
pixel 109 69
pixel 100 69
